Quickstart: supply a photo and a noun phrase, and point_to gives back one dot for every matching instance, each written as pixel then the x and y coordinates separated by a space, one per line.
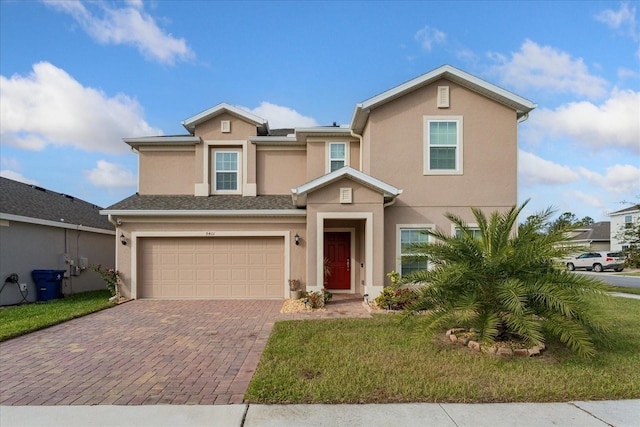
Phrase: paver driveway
pixel 141 352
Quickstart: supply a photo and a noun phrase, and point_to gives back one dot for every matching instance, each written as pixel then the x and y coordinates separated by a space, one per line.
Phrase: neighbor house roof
pixel 30 203
pixel 220 205
pixel 626 210
pixel 518 103
pixel 191 122
pixel 598 231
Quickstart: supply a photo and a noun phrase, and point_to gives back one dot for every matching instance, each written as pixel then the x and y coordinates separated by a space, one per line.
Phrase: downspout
pixel 389 203
pixel 112 221
pixel 355 135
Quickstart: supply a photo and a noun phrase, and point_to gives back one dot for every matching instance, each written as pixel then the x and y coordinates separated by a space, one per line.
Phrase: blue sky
pixel 77 77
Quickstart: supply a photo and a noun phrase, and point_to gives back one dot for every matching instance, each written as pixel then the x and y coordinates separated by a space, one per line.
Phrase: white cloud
pixel 536 170
pixel 50 107
pixel 547 68
pixel 428 36
pixel 17 176
pixel 620 179
pixel 281 117
pixel 613 123
pixel 110 175
pixel 129 25
pixel 623 20
pixel 591 199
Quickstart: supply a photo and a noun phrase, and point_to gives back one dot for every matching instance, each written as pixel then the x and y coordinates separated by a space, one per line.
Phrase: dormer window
pixel 337 156
pixel 226 172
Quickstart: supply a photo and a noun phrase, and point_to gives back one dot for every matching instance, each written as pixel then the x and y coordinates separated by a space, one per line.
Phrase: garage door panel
pixel 227 267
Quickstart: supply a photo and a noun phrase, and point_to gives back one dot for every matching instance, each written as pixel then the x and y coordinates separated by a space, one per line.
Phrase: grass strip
pixel 384 360
pixel 22 319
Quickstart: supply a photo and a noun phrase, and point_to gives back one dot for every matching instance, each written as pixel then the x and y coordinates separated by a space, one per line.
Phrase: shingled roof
pixel 598 231
pixel 139 202
pixel 30 201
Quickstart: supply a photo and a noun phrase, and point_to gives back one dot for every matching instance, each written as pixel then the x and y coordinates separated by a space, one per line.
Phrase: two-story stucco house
pixel 234 209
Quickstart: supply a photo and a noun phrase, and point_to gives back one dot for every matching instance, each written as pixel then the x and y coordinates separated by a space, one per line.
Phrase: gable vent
pixel 346 195
pixel 443 96
pixel 225 126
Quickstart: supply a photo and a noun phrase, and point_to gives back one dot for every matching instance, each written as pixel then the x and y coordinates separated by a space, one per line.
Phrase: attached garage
pixel 211 267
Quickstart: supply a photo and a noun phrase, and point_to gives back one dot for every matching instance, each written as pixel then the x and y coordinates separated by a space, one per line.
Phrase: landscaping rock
pixel 475 345
pixel 523 352
pixel 504 351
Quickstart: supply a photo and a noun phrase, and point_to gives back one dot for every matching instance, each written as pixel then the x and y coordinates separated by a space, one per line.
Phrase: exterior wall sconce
pixel 296 238
pixel 122 239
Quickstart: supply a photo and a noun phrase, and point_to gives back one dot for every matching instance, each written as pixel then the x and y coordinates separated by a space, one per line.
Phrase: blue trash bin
pixel 48 283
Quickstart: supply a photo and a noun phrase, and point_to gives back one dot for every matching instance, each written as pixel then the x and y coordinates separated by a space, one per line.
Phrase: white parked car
pixel 597 261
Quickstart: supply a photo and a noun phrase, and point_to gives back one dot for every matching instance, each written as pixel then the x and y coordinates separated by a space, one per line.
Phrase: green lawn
pixel 625 290
pixel 20 320
pixel 384 360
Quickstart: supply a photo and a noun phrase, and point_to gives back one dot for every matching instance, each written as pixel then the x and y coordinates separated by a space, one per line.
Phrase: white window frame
pixel 472 226
pixel 330 159
pixel 399 229
pixel 238 171
pixel 458 170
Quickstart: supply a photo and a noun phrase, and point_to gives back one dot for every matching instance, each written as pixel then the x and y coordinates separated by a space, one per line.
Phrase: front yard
pixel 383 360
pixel 22 319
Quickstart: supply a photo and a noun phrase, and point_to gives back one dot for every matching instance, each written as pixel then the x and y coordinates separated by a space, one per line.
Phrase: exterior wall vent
pixel 346 195
pixel 443 96
pixel 225 126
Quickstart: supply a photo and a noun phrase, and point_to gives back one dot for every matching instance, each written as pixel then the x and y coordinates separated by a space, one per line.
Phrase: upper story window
pixel 226 172
pixel 628 221
pixel 337 156
pixel 442 145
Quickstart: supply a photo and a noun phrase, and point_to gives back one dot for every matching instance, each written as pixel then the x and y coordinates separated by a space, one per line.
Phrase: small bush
pixel 395 298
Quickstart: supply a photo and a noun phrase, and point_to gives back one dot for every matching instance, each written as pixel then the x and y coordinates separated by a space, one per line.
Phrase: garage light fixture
pixel 297 239
pixel 122 239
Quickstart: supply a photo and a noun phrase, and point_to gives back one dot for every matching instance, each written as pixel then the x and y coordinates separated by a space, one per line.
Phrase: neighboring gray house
pixel 45 230
pixel 594 237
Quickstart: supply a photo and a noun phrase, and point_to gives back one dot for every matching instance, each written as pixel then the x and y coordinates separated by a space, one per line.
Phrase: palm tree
pixel 504 284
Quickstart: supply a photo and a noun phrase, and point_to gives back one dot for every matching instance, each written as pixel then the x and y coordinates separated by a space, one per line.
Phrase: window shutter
pixel 443 96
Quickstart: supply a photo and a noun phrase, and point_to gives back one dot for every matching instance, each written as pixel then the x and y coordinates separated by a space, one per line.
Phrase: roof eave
pixel 191 122
pixel 203 213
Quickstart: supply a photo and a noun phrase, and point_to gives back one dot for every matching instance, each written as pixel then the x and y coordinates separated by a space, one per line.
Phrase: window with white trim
pixel 337 155
pixel 475 232
pixel 443 145
pixel 226 172
pixel 628 221
pixel 409 237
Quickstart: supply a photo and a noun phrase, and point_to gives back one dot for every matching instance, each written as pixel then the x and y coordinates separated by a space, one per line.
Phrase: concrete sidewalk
pixel 622 413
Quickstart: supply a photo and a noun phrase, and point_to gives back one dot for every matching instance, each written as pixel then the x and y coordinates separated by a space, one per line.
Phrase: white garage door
pixel 219 267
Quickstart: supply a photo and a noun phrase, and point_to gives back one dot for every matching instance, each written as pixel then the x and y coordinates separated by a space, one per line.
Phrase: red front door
pixel 337 253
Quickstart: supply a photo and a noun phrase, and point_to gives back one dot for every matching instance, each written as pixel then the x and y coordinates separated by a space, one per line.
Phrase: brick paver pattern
pixel 148 352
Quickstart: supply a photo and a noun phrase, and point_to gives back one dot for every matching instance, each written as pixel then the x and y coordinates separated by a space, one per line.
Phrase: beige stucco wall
pixel 171 226
pixel 317 153
pixel 489 149
pixel 278 171
pixel 166 172
pixel 394 152
pixel 210 131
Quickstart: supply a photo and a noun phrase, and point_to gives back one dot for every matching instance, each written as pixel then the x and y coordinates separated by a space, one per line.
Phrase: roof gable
pixel 191 123
pixel 388 191
pixel 482 87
